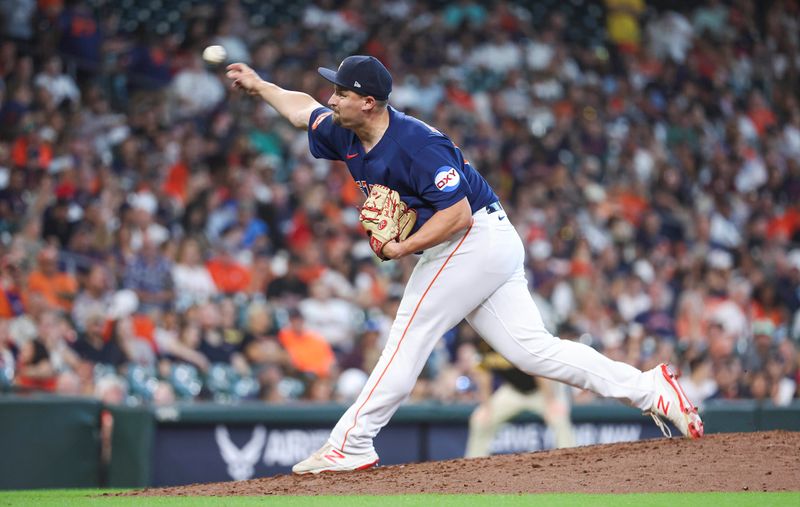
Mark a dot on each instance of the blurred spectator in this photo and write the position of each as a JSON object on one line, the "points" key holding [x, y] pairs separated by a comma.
{"points": [[111, 390], [12, 201], [17, 17], [58, 289], [7, 359], [59, 85], [670, 36], [232, 41], [34, 369], [727, 377], [465, 12], [186, 347], [32, 150], [349, 385], [144, 206], [12, 288], [459, 382], [329, 316], [622, 23], [699, 385], [784, 386], [260, 345], [195, 90], [320, 390], [80, 37], [94, 298], [149, 275], [367, 350], [193, 282], [711, 18], [761, 349], [288, 286], [254, 230], [230, 322], [148, 63], [57, 336], [215, 344], [101, 344], [308, 351], [229, 275], [18, 102]]}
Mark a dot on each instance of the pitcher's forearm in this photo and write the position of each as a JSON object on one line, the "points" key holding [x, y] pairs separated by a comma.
{"points": [[294, 106], [440, 227]]}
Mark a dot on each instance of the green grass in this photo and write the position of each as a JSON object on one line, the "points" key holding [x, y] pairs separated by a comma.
{"points": [[84, 497]]}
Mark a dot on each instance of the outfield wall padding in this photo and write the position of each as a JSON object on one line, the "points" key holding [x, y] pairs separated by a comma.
{"points": [[48, 442]]}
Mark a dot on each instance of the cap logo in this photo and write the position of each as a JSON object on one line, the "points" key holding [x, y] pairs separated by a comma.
{"points": [[357, 84]]}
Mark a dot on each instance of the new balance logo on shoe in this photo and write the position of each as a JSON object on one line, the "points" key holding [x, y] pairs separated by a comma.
{"points": [[663, 407], [333, 456], [330, 459], [671, 403]]}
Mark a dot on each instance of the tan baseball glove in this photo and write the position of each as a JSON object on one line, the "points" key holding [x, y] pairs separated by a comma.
{"points": [[386, 218]]}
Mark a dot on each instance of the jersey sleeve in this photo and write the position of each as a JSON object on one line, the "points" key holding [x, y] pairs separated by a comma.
{"points": [[325, 139], [438, 175]]}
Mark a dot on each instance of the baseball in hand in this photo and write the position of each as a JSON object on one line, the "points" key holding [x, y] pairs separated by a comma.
{"points": [[214, 55]]}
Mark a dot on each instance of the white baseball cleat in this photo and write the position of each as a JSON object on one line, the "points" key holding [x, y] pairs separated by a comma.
{"points": [[671, 402], [330, 459]]}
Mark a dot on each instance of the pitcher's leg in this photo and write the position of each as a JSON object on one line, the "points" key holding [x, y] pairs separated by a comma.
{"points": [[437, 297], [388, 386], [510, 322]]}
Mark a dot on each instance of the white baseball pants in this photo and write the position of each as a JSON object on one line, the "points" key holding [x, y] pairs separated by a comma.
{"points": [[478, 275]]}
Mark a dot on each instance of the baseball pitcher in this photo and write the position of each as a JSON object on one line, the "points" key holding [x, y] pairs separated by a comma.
{"points": [[424, 196]]}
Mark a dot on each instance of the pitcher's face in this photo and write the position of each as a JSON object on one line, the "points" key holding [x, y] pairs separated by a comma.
{"points": [[347, 107]]}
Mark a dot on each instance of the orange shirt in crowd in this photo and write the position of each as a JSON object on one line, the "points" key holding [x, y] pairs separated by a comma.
{"points": [[308, 351], [177, 181], [39, 384], [759, 312], [311, 273], [632, 206], [21, 157], [145, 329], [762, 119], [229, 277], [784, 226], [58, 290]]}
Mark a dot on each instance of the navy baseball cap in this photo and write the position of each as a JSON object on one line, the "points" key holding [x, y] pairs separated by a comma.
{"points": [[362, 74]]}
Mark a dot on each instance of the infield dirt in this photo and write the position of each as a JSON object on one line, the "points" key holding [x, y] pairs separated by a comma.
{"points": [[764, 461]]}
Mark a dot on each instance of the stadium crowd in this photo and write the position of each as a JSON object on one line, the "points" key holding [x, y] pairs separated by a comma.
{"points": [[165, 238]]}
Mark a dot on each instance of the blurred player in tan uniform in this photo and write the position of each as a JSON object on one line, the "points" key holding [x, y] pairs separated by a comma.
{"points": [[517, 393]]}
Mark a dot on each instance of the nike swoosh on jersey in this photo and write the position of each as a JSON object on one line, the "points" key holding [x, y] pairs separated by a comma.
{"points": [[351, 155]]}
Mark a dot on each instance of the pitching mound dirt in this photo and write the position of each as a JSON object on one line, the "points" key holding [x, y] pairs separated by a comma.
{"points": [[765, 461]]}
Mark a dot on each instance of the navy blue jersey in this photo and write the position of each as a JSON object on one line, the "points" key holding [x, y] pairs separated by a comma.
{"points": [[419, 162]]}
